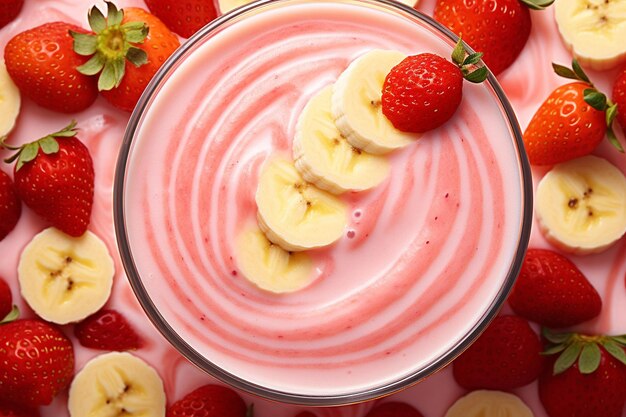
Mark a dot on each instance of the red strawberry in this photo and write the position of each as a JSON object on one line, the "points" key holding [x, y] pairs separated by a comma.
{"points": [[394, 409], [506, 356], [10, 205], [499, 28], [551, 291], [139, 37], [571, 122], [14, 410], [107, 330], [209, 401], [43, 66], [423, 91], [54, 176], [305, 414], [184, 17], [6, 301], [36, 362], [588, 379], [9, 9], [619, 98]]}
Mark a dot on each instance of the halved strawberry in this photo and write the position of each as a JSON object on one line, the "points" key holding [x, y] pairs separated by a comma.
{"points": [[107, 330]]}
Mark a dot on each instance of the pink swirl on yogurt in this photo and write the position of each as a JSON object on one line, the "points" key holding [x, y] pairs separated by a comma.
{"points": [[424, 255]]}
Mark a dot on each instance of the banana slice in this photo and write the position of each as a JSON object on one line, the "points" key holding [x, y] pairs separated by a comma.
{"points": [[117, 384], [356, 104], [10, 101], [226, 6], [594, 30], [325, 158], [269, 266], [294, 214], [489, 404], [581, 205], [65, 279]]}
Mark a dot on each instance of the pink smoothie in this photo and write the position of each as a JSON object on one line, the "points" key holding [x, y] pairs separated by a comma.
{"points": [[424, 254]]}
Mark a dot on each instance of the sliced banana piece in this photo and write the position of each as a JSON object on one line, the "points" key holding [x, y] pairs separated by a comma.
{"points": [[117, 384], [65, 279], [485, 403], [10, 101], [294, 214], [594, 30], [356, 104], [269, 266], [325, 158], [226, 6], [581, 205]]}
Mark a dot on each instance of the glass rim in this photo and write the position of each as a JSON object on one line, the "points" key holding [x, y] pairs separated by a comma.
{"points": [[221, 374]]}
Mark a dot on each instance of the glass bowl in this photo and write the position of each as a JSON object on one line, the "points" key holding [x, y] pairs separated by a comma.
{"points": [[428, 257]]}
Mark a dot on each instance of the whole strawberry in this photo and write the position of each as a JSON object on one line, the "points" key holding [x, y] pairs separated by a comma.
{"points": [[107, 330], [209, 401], [506, 356], [551, 291], [36, 362], [423, 91], [10, 205], [571, 122], [394, 409], [54, 177], [127, 49], [7, 310], [42, 64], [587, 379], [498, 28], [184, 17], [9, 9], [619, 98], [15, 410]]}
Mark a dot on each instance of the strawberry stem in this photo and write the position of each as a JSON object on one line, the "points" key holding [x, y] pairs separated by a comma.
{"points": [[111, 46], [468, 63], [48, 144], [12, 316]]}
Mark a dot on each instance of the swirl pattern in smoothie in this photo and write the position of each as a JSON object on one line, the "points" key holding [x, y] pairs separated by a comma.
{"points": [[424, 254]]}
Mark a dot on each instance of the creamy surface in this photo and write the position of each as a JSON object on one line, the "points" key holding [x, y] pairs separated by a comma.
{"points": [[423, 255], [527, 83]]}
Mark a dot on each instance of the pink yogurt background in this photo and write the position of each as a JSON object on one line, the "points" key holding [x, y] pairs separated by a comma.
{"points": [[526, 83]]}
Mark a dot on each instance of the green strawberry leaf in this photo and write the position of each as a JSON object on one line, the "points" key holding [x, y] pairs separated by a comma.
{"points": [[27, 154], [595, 99], [84, 43], [477, 76], [537, 4], [114, 16], [579, 71], [611, 112], [93, 66], [67, 132], [615, 350], [12, 316], [107, 80], [137, 56], [589, 358], [610, 134], [49, 145], [458, 53], [567, 358], [97, 21], [137, 35], [564, 72], [556, 338], [621, 339], [554, 349], [473, 59]]}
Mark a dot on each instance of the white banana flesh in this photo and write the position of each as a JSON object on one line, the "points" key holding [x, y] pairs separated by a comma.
{"points": [[65, 279], [117, 384], [594, 30], [269, 266], [325, 158], [294, 214], [581, 205], [10, 101], [485, 403], [356, 104]]}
